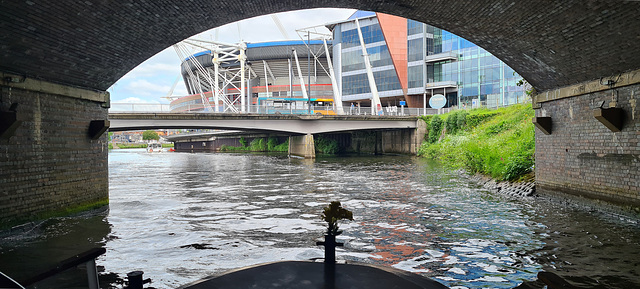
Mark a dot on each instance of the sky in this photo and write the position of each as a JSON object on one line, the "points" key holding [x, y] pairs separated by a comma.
{"points": [[153, 79]]}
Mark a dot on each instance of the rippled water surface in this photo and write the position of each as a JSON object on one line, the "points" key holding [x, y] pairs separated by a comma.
{"points": [[181, 217]]}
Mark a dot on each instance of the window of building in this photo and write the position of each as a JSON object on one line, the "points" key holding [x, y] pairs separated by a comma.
{"points": [[378, 56], [357, 84], [415, 49], [414, 27], [370, 34], [415, 74]]}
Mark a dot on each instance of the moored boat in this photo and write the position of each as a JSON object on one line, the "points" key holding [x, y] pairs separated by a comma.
{"points": [[154, 148]]}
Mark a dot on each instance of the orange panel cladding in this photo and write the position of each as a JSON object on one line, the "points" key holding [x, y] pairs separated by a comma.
{"points": [[394, 29]]}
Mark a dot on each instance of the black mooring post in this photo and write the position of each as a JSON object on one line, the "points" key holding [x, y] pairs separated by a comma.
{"points": [[135, 279], [329, 249], [329, 260]]}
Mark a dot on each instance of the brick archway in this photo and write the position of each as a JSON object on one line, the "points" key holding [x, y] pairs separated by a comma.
{"points": [[92, 44]]}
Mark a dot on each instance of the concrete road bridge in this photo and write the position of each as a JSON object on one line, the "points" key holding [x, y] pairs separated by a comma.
{"points": [[292, 124], [58, 57], [402, 134]]}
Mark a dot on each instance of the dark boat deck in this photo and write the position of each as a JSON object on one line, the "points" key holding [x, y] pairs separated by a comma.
{"points": [[308, 274]]}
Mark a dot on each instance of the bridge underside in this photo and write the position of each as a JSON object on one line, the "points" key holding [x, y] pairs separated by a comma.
{"points": [[291, 124], [92, 44]]}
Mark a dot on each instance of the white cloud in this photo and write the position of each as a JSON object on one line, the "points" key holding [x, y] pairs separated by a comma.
{"points": [[263, 28], [145, 87], [180, 90], [152, 69], [133, 100]]}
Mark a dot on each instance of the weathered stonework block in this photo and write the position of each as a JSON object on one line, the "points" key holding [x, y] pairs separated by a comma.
{"points": [[50, 165], [585, 158]]}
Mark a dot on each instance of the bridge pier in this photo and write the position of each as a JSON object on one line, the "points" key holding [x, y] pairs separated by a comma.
{"points": [[49, 163], [587, 157], [302, 146]]}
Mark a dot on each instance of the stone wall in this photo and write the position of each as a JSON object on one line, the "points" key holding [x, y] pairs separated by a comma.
{"points": [[582, 157], [50, 165], [398, 141], [368, 142], [213, 144]]}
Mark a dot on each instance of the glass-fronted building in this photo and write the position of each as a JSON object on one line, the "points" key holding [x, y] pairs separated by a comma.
{"points": [[412, 61]]}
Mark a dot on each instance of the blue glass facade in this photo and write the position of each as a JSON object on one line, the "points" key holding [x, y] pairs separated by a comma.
{"points": [[354, 80], [466, 73], [370, 34], [378, 56], [478, 74], [359, 83]]}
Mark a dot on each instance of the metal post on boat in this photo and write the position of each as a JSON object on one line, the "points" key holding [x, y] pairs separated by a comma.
{"points": [[329, 248], [92, 274], [135, 280]]}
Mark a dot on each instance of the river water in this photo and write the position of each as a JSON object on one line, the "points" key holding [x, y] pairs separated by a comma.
{"points": [[180, 217]]}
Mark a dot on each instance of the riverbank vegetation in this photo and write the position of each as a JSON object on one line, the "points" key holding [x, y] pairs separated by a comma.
{"points": [[136, 145], [132, 145], [498, 143], [258, 145], [327, 146]]}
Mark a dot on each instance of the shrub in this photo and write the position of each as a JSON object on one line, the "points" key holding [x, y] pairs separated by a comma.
{"points": [[435, 128], [272, 142], [258, 145], [327, 146], [461, 120], [283, 147], [452, 122], [475, 119]]}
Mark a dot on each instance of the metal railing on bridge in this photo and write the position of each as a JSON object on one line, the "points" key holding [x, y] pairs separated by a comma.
{"points": [[260, 109]]}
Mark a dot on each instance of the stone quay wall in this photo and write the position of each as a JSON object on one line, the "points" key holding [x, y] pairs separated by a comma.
{"points": [[585, 159], [50, 166]]}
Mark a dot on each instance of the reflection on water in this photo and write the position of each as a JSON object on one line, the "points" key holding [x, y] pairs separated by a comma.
{"points": [[37, 247], [180, 217]]}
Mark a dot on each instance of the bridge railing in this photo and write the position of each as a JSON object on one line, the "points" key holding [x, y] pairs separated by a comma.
{"points": [[261, 109], [139, 107]]}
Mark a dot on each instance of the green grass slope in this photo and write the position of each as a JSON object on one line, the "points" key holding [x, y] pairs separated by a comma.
{"points": [[498, 143]]}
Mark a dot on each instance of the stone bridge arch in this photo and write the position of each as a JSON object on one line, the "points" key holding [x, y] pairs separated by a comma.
{"points": [[91, 44], [57, 58]]}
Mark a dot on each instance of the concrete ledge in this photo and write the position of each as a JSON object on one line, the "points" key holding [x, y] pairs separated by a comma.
{"points": [[621, 80], [601, 201], [22, 82]]}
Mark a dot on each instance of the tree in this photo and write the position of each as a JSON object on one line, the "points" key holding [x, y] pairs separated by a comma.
{"points": [[149, 135]]}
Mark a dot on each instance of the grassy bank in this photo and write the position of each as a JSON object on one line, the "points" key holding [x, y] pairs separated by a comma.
{"points": [[136, 146], [498, 143], [131, 146]]}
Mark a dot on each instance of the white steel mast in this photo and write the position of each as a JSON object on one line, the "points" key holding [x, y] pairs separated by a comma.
{"points": [[376, 106], [242, 58], [302, 87], [337, 98]]}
